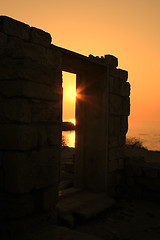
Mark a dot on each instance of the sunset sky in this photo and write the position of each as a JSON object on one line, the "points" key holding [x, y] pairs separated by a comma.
{"points": [[128, 29]]}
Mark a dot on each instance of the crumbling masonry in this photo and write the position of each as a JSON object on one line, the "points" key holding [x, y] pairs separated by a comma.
{"points": [[30, 124]]}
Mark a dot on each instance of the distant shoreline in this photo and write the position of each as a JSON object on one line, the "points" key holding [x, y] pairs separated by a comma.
{"points": [[68, 126]]}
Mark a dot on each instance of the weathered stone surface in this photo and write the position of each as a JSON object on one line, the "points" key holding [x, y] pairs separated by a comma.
{"points": [[113, 141], [113, 165], [13, 206], [18, 172], [124, 125], [121, 163], [150, 172], [45, 199], [111, 60], [123, 75], [126, 106], [130, 181], [1, 158], [1, 178], [17, 137], [40, 37], [14, 28], [45, 167], [17, 48], [137, 170], [113, 71], [31, 170], [53, 56], [115, 85], [124, 89], [3, 42], [20, 88], [15, 110], [122, 140], [54, 134], [116, 153], [116, 104], [114, 125], [46, 111], [27, 69], [42, 135]]}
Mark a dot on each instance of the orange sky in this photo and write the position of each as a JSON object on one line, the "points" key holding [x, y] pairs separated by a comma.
{"points": [[128, 29]]}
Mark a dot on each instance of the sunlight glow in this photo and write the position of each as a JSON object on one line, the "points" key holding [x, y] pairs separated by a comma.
{"points": [[69, 95]]}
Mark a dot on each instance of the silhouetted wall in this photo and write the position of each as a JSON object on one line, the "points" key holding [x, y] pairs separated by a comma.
{"points": [[30, 124], [30, 127]]}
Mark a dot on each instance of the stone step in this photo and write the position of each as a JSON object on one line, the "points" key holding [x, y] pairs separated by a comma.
{"points": [[82, 205]]}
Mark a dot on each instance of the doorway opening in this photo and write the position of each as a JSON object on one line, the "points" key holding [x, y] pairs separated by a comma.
{"points": [[68, 131]]}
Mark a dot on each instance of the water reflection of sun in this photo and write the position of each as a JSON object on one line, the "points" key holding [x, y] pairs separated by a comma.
{"points": [[68, 138]]}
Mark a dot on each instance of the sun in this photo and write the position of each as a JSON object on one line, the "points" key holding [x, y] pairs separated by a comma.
{"points": [[71, 94]]}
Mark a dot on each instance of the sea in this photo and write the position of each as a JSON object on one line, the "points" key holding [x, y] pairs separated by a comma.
{"points": [[147, 132]]}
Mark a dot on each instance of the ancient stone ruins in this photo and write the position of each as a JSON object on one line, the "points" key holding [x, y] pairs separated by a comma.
{"points": [[30, 123]]}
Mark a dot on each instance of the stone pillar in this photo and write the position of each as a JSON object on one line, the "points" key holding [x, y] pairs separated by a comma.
{"points": [[102, 123], [119, 110], [30, 127], [91, 148]]}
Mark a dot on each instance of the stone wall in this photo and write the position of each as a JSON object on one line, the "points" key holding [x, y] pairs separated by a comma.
{"points": [[30, 127], [30, 124], [119, 110]]}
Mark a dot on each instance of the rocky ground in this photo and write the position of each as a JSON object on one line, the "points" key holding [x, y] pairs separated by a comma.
{"points": [[131, 218]]}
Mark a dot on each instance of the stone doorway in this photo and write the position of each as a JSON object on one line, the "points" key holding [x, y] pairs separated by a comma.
{"points": [[67, 162]]}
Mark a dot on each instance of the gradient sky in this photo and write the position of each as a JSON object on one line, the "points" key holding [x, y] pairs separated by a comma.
{"points": [[128, 29]]}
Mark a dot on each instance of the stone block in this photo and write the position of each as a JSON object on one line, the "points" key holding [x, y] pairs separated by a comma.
{"points": [[126, 106], [53, 56], [116, 153], [137, 170], [25, 171], [123, 75], [27, 69], [18, 171], [112, 181], [113, 165], [13, 27], [150, 172], [115, 104], [114, 125], [46, 198], [17, 110], [1, 178], [120, 163], [114, 86], [130, 181], [20, 88], [111, 60], [1, 158], [54, 135], [40, 37], [46, 111], [122, 140], [124, 89], [124, 125], [45, 167], [17, 48], [129, 171], [16, 206], [42, 135], [113, 71], [113, 141], [3, 42], [17, 137]]}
